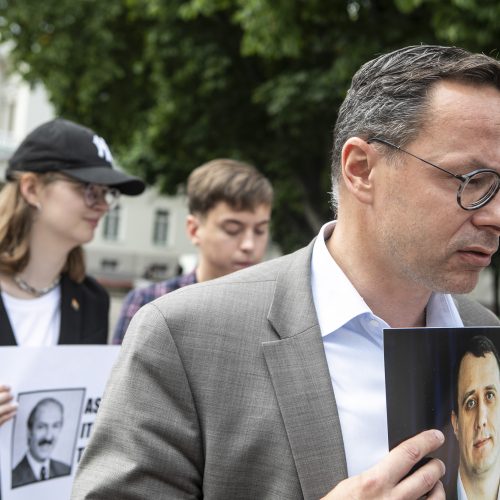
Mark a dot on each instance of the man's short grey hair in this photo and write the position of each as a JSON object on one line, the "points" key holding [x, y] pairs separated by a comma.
{"points": [[388, 97]]}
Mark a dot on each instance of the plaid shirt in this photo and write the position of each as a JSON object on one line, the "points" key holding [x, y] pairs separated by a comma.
{"points": [[135, 299]]}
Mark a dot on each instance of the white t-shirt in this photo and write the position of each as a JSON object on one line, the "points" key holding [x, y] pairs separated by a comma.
{"points": [[35, 322]]}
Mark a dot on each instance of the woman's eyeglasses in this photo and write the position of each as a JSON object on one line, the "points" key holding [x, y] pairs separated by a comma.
{"points": [[93, 194]]}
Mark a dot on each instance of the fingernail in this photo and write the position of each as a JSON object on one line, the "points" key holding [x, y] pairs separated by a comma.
{"points": [[439, 435], [444, 467]]}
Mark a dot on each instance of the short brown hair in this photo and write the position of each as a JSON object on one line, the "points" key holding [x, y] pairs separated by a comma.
{"points": [[238, 184], [16, 218]]}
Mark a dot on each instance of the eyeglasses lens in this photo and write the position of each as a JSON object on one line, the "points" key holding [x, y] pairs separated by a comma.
{"points": [[95, 194], [478, 189]]}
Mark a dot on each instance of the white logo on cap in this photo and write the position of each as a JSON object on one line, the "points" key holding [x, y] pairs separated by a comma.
{"points": [[102, 148]]}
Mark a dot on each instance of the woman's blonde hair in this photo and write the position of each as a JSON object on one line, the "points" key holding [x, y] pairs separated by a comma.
{"points": [[16, 219]]}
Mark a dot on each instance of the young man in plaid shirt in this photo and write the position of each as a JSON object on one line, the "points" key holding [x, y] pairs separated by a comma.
{"points": [[229, 213]]}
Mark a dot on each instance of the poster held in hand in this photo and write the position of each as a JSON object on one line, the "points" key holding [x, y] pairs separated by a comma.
{"points": [[448, 379], [58, 390]]}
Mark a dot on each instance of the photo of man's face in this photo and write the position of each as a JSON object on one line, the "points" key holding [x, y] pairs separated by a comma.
{"points": [[44, 430], [477, 421]]}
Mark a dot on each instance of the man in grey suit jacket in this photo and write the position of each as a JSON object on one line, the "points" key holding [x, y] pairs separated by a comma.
{"points": [[24, 474], [269, 383]]}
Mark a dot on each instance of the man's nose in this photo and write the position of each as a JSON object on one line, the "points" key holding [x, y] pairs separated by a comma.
{"points": [[488, 217], [50, 433], [482, 414]]}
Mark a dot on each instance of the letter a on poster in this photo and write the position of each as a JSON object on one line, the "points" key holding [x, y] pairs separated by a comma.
{"points": [[58, 390]]}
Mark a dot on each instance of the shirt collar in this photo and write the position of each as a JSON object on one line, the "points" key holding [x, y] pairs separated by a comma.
{"points": [[36, 466], [330, 286], [442, 312]]}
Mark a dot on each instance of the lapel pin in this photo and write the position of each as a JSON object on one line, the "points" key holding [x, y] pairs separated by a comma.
{"points": [[75, 304]]}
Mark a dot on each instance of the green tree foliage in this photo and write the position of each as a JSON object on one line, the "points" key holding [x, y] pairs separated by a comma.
{"points": [[175, 83]]}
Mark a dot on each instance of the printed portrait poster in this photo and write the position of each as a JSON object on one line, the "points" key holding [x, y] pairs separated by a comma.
{"points": [[58, 390], [445, 378]]}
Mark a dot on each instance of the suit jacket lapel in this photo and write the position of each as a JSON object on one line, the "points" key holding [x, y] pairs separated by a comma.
{"points": [[299, 373], [71, 312]]}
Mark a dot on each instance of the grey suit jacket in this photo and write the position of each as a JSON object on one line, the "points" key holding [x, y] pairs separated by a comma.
{"points": [[222, 391]]}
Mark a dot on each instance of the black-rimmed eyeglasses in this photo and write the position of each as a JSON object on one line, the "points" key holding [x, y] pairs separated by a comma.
{"points": [[476, 189]]}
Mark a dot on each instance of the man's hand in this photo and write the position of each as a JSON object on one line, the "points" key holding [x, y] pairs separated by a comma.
{"points": [[385, 479], [7, 407]]}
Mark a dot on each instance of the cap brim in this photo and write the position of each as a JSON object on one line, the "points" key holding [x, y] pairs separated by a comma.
{"points": [[106, 176]]}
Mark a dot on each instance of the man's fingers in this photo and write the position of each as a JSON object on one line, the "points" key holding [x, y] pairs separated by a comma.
{"points": [[437, 493], [390, 477], [406, 455], [424, 481]]}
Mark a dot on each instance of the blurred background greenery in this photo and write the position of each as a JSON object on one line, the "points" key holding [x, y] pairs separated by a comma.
{"points": [[174, 83]]}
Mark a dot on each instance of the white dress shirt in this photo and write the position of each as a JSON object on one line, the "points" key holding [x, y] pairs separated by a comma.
{"points": [[461, 495], [37, 466], [354, 346]]}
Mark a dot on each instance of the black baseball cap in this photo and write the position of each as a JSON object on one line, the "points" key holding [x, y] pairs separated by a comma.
{"points": [[76, 151]]}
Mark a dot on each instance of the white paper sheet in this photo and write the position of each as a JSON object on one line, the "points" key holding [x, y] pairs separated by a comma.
{"points": [[74, 376]]}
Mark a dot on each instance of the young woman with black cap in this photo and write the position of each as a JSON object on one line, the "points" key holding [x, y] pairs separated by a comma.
{"points": [[60, 182]]}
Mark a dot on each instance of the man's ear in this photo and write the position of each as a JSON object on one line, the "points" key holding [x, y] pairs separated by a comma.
{"points": [[357, 162], [454, 423], [192, 227]]}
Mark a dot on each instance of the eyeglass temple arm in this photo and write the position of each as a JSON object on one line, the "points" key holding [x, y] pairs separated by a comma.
{"points": [[383, 141]]}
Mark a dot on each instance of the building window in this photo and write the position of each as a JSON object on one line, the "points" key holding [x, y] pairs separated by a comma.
{"points": [[109, 265], [156, 272], [160, 230], [111, 224]]}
